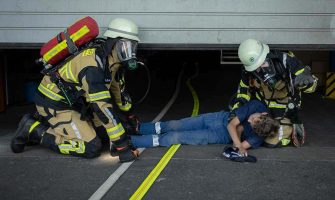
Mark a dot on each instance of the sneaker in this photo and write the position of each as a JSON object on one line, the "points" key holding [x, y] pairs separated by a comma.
{"points": [[233, 155]]}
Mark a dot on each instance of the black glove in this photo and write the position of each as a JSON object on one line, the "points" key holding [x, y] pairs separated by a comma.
{"points": [[133, 125], [126, 155], [124, 149], [233, 155], [304, 79]]}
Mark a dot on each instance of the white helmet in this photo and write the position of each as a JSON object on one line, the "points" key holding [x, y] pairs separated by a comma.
{"points": [[252, 54], [122, 28]]}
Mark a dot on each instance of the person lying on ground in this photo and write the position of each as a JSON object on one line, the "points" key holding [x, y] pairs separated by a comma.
{"points": [[246, 127]]}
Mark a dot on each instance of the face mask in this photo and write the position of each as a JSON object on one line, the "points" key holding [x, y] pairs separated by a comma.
{"points": [[126, 52], [267, 73]]}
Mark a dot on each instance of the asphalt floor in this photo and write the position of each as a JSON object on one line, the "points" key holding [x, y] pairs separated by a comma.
{"points": [[194, 172]]}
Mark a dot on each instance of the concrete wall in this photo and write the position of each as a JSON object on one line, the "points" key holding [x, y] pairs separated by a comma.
{"points": [[178, 23]]}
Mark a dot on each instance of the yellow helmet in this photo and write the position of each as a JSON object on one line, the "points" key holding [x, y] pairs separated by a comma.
{"points": [[252, 54], [122, 28]]}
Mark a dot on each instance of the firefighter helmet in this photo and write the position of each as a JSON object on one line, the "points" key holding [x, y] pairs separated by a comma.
{"points": [[122, 28], [252, 54]]}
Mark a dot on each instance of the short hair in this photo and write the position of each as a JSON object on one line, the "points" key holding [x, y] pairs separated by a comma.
{"points": [[266, 127]]}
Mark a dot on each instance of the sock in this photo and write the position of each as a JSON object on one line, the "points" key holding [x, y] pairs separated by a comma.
{"points": [[145, 141]]}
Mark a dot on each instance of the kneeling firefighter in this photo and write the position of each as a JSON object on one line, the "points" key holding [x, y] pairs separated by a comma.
{"points": [[277, 79], [74, 101]]}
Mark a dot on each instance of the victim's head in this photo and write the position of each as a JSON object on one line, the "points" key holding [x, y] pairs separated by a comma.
{"points": [[263, 125]]}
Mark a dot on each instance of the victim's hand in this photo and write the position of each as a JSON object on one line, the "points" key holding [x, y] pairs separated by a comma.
{"points": [[242, 151]]}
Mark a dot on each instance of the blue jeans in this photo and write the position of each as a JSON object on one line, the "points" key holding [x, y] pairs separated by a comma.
{"points": [[210, 128]]}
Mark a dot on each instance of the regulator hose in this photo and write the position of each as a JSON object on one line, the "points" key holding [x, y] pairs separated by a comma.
{"points": [[148, 84]]}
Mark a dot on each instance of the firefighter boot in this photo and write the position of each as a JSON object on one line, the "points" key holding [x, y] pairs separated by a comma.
{"points": [[29, 130]]}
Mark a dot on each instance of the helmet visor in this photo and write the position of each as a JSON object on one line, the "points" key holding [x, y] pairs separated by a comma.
{"points": [[126, 49], [266, 71]]}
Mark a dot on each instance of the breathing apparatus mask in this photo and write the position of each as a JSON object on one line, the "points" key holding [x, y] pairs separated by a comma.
{"points": [[267, 73], [126, 53]]}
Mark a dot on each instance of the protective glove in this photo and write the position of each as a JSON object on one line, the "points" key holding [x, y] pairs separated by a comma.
{"points": [[233, 155], [304, 79], [133, 125], [126, 155], [124, 149], [126, 103], [298, 135]]}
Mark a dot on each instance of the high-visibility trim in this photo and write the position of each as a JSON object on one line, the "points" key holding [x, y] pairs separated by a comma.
{"points": [[61, 46], [242, 84], [124, 107], [235, 105], [76, 130], [78, 147], [245, 96], [62, 70], [88, 52], [50, 94], [99, 95], [274, 104], [69, 73], [117, 135], [51, 86], [299, 71], [271, 104], [115, 132], [33, 126], [285, 141], [312, 88], [110, 115]]}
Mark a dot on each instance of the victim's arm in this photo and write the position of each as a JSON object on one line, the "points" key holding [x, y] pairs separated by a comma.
{"points": [[232, 129]]}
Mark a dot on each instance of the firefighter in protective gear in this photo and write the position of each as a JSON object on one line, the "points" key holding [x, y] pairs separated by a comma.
{"points": [[80, 108], [277, 79]]}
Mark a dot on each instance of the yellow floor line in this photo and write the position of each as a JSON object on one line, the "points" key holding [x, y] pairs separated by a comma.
{"points": [[147, 183]]}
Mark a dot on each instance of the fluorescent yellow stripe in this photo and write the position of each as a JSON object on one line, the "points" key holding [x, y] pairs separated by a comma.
{"points": [[196, 103], [99, 95], [61, 46], [66, 148], [111, 130], [146, 184], [52, 86], [144, 187], [125, 107], [73, 78], [50, 94], [115, 132], [33, 126], [63, 68], [117, 135], [300, 71], [245, 96], [243, 85], [276, 105]]}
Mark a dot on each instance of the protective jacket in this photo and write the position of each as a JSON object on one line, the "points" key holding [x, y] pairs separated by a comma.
{"points": [[88, 84], [283, 98], [278, 98]]}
